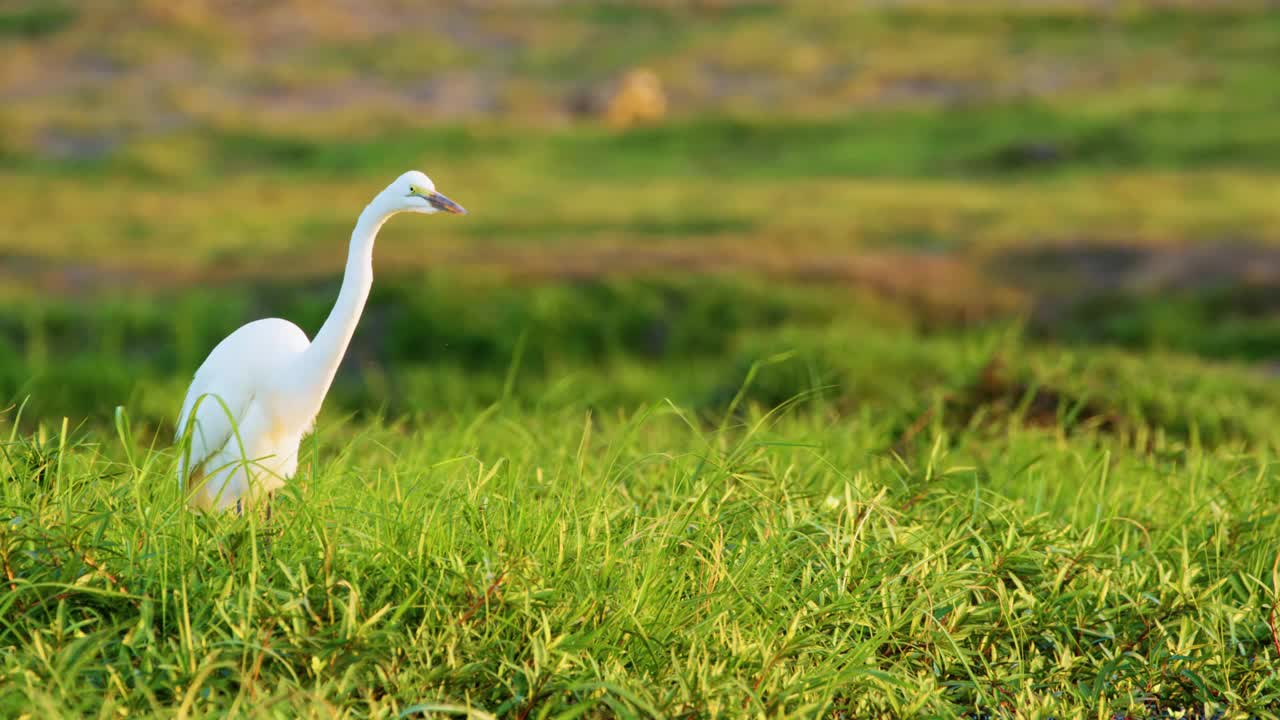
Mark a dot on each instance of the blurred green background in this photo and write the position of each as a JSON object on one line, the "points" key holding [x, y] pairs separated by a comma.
{"points": [[662, 194], [810, 358]]}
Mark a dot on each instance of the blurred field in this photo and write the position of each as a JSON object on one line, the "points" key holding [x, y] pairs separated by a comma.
{"points": [[916, 359], [964, 161], [180, 135]]}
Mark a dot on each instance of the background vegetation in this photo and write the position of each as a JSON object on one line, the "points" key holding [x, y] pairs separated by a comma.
{"points": [[911, 358]]}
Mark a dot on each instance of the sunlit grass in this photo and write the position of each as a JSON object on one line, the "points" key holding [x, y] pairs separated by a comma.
{"points": [[586, 456], [640, 562], [214, 228]]}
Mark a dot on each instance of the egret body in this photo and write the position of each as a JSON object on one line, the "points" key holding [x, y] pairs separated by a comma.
{"points": [[257, 394]]}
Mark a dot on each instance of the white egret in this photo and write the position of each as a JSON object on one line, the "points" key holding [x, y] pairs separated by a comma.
{"points": [[258, 392]]}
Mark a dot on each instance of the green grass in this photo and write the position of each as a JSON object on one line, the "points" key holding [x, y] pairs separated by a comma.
{"points": [[994, 142], [824, 397], [645, 560], [35, 22], [783, 503], [199, 202]]}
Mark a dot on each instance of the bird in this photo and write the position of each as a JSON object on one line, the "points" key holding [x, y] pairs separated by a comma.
{"points": [[258, 392]]}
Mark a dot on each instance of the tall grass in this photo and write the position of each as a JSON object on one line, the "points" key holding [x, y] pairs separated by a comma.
{"points": [[641, 562], [831, 515]]}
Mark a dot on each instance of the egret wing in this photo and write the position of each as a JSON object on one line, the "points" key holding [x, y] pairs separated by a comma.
{"points": [[238, 376], [213, 409]]}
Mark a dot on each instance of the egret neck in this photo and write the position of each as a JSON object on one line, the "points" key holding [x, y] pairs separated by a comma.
{"points": [[320, 362]]}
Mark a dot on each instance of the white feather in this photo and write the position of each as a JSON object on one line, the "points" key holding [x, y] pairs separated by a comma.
{"points": [[257, 394]]}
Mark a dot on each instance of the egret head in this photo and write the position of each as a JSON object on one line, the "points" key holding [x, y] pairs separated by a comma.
{"points": [[414, 192]]}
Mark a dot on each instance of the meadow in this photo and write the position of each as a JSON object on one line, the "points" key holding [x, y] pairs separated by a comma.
{"points": [[947, 391]]}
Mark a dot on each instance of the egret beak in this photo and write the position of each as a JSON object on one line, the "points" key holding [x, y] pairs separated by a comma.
{"points": [[440, 202]]}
